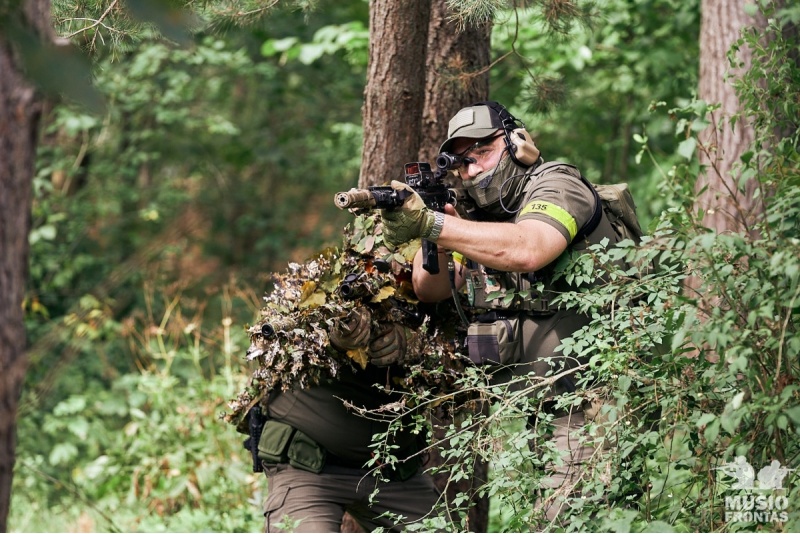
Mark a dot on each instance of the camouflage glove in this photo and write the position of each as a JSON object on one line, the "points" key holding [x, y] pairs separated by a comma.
{"points": [[353, 331], [390, 345], [411, 220]]}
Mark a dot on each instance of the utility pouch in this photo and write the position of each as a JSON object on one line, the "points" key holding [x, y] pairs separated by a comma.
{"points": [[494, 340], [274, 442], [305, 453]]}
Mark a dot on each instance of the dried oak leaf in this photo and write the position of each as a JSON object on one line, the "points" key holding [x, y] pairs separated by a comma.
{"points": [[384, 293], [359, 356]]}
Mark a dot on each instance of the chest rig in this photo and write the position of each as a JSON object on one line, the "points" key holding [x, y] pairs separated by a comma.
{"points": [[531, 292], [499, 290]]}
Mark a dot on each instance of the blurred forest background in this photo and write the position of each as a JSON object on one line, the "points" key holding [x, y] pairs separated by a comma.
{"points": [[206, 157]]}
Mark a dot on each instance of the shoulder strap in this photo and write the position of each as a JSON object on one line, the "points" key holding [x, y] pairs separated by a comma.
{"points": [[593, 222]]}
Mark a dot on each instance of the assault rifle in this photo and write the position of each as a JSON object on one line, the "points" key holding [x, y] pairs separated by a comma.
{"points": [[427, 184]]}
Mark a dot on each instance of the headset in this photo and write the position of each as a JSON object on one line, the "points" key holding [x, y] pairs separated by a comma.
{"points": [[518, 141]]}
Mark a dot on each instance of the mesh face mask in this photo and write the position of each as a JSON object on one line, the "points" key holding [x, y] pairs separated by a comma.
{"points": [[499, 190]]}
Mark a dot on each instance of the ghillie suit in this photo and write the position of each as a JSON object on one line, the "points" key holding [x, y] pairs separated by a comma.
{"points": [[290, 343]]}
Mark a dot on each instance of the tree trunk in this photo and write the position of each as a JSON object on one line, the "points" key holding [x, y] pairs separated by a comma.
{"points": [[395, 90], [457, 75], [725, 205], [20, 110]]}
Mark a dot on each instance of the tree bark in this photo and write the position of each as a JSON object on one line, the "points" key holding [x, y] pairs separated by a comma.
{"points": [[20, 110], [457, 75], [725, 205], [457, 67], [395, 90]]}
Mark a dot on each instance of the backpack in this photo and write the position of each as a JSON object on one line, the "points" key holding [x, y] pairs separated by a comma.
{"points": [[616, 200]]}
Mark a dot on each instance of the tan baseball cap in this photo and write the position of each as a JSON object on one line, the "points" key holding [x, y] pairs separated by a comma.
{"points": [[475, 122]]}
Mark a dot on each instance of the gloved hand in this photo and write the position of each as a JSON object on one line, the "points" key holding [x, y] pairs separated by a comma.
{"points": [[353, 331], [389, 345], [411, 220]]}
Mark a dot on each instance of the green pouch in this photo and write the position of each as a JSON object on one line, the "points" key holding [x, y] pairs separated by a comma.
{"points": [[495, 342], [305, 453], [274, 441]]}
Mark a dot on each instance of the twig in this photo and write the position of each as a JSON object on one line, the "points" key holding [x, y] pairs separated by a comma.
{"points": [[97, 22]]}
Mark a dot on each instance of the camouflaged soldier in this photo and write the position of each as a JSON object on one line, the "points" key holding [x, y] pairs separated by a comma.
{"points": [[314, 448], [528, 214]]}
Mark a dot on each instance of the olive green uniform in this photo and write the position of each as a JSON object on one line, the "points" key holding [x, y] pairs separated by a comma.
{"points": [[560, 198], [319, 500]]}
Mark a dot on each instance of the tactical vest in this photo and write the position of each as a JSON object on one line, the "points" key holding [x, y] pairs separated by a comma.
{"points": [[491, 289]]}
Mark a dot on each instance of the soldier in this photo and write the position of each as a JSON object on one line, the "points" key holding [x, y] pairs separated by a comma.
{"points": [[527, 215], [315, 449]]}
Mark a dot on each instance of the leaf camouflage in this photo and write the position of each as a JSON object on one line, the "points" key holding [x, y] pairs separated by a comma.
{"points": [[290, 343]]}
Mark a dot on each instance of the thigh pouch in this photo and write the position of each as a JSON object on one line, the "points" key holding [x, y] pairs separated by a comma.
{"points": [[283, 444]]}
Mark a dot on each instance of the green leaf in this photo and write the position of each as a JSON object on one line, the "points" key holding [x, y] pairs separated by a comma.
{"points": [[794, 414], [47, 232], [686, 148], [624, 382], [494, 295], [705, 419], [276, 46], [712, 431], [62, 453], [96, 468], [620, 520], [658, 526], [79, 427], [72, 405], [729, 422]]}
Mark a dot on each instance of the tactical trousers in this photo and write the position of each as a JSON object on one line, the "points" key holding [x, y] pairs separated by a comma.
{"points": [[318, 501], [576, 448]]}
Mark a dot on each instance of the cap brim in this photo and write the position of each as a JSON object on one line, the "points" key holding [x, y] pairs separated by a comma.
{"points": [[468, 133]]}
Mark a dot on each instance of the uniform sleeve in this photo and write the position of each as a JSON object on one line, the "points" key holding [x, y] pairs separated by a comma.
{"points": [[559, 198]]}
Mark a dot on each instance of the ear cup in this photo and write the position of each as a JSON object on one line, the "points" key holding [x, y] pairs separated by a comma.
{"points": [[524, 151]]}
